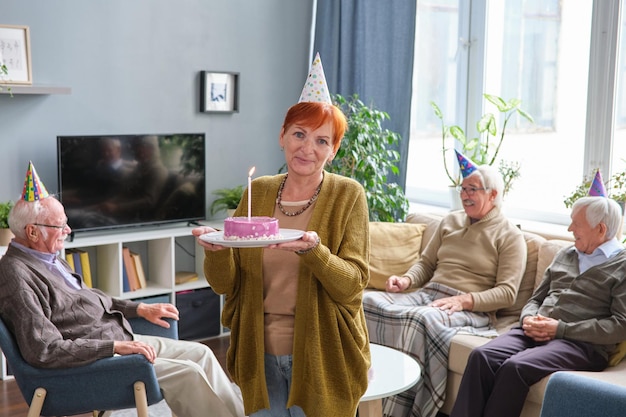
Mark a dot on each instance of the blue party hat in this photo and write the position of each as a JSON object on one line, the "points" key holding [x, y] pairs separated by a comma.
{"points": [[465, 164]]}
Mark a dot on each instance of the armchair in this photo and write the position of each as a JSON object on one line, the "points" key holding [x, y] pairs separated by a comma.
{"points": [[573, 395], [107, 384]]}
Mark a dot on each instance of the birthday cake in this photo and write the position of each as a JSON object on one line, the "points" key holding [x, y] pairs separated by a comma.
{"points": [[250, 228]]}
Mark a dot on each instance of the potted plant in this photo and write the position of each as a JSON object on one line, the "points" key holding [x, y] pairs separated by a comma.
{"points": [[5, 233], [485, 148], [227, 199], [367, 155]]}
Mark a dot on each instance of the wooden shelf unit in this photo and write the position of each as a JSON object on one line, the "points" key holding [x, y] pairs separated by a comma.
{"points": [[163, 250]]}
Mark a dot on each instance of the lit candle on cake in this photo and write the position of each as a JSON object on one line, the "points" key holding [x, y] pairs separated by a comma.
{"points": [[250, 192]]}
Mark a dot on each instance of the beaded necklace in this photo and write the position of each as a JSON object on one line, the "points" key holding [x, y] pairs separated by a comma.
{"points": [[306, 206]]}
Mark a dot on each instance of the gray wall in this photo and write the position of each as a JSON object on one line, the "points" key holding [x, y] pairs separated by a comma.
{"points": [[133, 67]]}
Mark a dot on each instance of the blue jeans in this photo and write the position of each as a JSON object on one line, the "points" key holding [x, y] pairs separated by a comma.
{"points": [[278, 379]]}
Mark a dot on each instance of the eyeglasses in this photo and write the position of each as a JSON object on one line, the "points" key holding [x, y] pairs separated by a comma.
{"points": [[470, 191], [54, 226]]}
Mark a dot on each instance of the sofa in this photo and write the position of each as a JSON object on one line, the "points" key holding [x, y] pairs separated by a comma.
{"points": [[395, 246]]}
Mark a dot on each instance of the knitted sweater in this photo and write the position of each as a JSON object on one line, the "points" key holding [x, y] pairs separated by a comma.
{"points": [[486, 259], [331, 345], [590, 307], [56, 326]]}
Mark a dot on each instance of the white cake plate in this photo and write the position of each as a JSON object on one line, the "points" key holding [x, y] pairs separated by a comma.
{"points": [[285, 235]]}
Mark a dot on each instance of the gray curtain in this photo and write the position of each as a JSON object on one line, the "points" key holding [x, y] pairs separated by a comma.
{"points": [[366, 47]]}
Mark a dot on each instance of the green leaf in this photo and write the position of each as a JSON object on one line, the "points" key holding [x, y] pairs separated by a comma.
{"points": [[487, 123], [497, 101], [368, 154], [458, 133], [437, 110], [526, 115]]}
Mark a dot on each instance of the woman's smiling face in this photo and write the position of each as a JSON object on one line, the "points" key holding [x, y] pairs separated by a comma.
{"points": [[307, 150]]}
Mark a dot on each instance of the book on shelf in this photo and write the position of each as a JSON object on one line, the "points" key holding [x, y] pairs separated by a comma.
{"points": [[185, 276], [125, 283], [141, 276], [85, 266], [78, 268], [69, 258], [131, 270]]}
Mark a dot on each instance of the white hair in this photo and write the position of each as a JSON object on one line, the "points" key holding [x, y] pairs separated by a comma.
{"points": [[601, 210]]}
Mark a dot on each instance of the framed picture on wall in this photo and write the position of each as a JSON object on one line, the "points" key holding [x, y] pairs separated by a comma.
{"points": [[219, 92], [15, 55]]}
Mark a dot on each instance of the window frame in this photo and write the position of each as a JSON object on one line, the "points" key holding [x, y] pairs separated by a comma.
{"points": [[601, 102]]}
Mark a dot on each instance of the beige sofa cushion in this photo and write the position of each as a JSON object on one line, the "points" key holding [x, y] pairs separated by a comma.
{"points": [[527, 286], [394, 248], [430, 220], [547, 251]]}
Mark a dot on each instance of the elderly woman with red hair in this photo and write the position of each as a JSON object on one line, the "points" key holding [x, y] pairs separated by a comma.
{"points": [[299, 343]]}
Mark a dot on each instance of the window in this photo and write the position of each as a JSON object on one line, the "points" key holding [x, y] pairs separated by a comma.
{"points": [[534, 50], [435, 66], [618, 161], [529, 33]]}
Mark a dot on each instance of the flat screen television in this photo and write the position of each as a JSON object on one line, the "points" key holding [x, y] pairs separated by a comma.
{"points": [[112, 181]]}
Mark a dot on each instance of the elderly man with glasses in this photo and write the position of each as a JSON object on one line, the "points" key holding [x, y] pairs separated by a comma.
{"points": [[59, 322], [573, 321], [471, 268]]}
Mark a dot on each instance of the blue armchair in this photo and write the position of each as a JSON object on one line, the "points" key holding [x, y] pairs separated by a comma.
{"points": [[107, 384], [573, 395]]}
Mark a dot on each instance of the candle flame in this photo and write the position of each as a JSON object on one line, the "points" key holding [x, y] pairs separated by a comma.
{"points": [[251, 171]]}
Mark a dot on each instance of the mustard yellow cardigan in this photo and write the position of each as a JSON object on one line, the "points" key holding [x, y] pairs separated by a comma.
{"points": [[331, 345]]}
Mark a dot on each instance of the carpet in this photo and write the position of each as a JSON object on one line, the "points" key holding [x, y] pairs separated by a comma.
{"points": [[156, 410]]}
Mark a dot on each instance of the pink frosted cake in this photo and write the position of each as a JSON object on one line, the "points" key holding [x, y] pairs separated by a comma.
{"points": [[253, 228]]}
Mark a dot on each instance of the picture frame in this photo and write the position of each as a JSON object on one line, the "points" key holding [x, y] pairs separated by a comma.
{"points": [[15, 54], [219, 92]]}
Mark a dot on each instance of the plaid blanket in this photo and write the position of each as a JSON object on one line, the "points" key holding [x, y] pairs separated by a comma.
{"points": [[405, 322]]}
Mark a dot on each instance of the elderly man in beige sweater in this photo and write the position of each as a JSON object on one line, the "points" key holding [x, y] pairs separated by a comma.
{"points": [[472, 267]]}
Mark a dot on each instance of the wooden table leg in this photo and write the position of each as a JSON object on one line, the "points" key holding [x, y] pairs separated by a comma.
{"points": [[372, 408]]}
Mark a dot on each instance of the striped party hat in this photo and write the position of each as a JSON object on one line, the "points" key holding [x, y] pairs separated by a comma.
{"points": [[597, 186], [33, 187]]}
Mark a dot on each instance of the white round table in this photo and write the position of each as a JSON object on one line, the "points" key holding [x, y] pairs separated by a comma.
{"points": [[391, 372]]}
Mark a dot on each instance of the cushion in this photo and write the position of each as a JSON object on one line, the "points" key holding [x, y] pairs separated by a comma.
{"points": [[527, 285], [547, 252], [430, 220], [619, 353], [394, 248]]}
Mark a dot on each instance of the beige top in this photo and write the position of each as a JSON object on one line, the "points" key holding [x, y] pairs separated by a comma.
{"points": [[486, 259], [280, 285], [331, 352]]}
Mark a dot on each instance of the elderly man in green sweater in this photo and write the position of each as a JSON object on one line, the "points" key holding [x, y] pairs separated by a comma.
{"points": [[573, 321]]}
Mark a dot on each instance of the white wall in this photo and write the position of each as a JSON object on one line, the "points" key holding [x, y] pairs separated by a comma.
{"points": [[133, 67]]}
